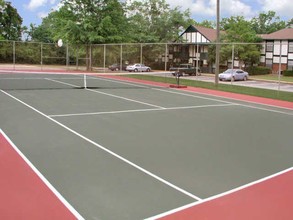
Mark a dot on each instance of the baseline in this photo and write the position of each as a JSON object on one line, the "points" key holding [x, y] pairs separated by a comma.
{"points": [[266, 198]]}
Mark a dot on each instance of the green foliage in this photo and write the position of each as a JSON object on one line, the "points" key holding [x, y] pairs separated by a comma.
{"points": [[237, 29], [87, 22], [267, 23], [154, 21], [6, 52], [258, 70], [40, 33], [206, 23], [10, 22], [287, 73]]}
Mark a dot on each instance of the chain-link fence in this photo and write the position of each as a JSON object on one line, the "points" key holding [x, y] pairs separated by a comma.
{"points": [[157, 56], [261, 58]]}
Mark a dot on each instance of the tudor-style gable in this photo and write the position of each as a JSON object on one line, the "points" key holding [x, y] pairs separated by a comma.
{"points": [[278, 46], [198, 34]]}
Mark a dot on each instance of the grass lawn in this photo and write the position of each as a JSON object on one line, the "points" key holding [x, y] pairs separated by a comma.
{"points": [[266, 93], [274, 77]]}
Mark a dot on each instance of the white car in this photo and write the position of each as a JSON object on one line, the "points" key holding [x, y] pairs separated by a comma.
{"points": [[137, 67], [233, 74]]}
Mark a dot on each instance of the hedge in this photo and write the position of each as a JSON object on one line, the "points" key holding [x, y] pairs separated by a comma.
{"points": [[287, 73], [258, 70]]}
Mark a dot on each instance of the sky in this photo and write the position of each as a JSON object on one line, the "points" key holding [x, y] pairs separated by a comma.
{"points": [[32, 11]]}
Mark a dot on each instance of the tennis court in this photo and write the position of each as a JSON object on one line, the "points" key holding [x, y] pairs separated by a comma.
{"points": [[109, 147]]}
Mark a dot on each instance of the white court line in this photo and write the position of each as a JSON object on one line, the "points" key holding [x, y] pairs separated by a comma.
{"points": [[249, 106], [164, 90], [64, 83], [119, 82], [107, 150], [191, 95], [40, 175], [219, 195], [140, 110], [195, 96], [108, 94], [213, 99], [127, 99], [37, 78]]}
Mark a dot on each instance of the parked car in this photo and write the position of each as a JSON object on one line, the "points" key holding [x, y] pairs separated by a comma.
{"points": [[138, 67], [233, 74], [184, 69], [116, 67]]}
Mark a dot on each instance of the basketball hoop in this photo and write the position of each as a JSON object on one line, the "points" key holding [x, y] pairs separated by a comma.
{"points": [[60, 43]]}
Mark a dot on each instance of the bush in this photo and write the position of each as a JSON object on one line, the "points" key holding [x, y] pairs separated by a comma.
{"points": [[258, 70], [287, 73]]}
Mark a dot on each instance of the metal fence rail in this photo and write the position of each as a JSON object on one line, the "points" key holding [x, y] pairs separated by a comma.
{"points": [[159, 56]]}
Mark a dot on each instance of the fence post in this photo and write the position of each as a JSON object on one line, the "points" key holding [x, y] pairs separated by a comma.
{"points": [[104, 57], [41, 56], [232, 63], [121, 58], [90, 64], [166, 56], [280, 67], [67, 57], [217, 70], [197, 60], [141, 53], [13, 55]]}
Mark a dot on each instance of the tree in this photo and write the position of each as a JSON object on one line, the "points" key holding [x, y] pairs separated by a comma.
{"points": [[154, 21], [10, 22], [238, 31], [88, 22], [267, 23], [290, 23], [84, 22], [206, 23], [39, 33]]}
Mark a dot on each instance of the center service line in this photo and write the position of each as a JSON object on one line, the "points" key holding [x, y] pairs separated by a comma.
{"points": [[108, 94]]}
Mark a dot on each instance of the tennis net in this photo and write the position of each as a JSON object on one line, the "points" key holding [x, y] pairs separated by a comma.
{"points": [[46, 81], [38, 81]]}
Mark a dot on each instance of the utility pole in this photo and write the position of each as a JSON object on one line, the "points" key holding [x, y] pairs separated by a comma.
{"points": [[217, 70]]}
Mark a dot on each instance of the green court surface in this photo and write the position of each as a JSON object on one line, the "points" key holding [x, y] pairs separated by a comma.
{"points": [[130, 151]]}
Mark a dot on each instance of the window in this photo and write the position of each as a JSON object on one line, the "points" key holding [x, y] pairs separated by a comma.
{"points": [[290, 49], [269, 46], [269, 63]]}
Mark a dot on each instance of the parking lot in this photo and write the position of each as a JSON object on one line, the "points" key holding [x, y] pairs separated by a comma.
{"points": [[288, 87]]}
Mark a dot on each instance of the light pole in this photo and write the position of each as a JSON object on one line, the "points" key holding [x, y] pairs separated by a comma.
{"points": [[217, 45]]}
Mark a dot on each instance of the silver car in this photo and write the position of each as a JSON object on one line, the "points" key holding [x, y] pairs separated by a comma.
{"points": [[233, 74], [138, 67]]}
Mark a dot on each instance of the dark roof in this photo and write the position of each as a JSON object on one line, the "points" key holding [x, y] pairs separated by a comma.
{"points": [[209, 33], [284, 34]]}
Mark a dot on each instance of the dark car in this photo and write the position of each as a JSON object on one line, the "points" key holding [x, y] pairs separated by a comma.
{"points": [[183, 69], [116, 67]]}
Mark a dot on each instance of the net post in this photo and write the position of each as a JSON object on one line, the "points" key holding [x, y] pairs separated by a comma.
{"points": [[84, 81]]}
